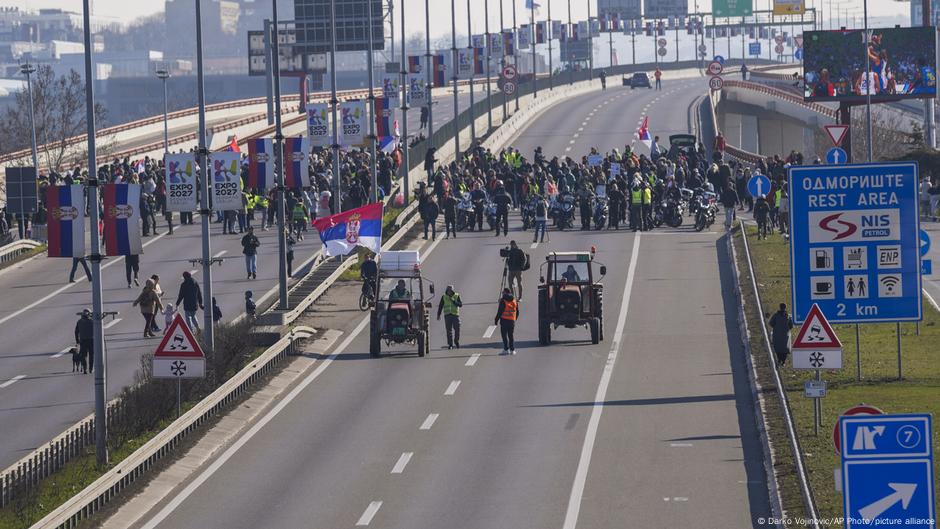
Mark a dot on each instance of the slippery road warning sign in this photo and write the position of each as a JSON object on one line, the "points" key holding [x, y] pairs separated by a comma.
{"points": [[179, 355], [816, 345]]}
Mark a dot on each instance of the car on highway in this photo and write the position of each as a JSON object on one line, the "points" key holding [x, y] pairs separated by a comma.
{"points": [[683, 144], [638, 80]]}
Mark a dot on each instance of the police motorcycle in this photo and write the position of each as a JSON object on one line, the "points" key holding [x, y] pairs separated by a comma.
{"points": [[490, 211], [528, 212], [601, 212], [561, 211], [673, 210], [706, 209], [465, 212]]}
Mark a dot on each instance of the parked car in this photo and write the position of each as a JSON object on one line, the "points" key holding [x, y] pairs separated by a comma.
{"points": [[638, 79]]}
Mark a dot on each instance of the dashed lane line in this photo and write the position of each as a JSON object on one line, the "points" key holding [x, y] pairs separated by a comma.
{"points": [[472, 360], [429, 421], [489, 331], [402, 462], [111, 323], [12, 381], [452, 388], [369, 513]]}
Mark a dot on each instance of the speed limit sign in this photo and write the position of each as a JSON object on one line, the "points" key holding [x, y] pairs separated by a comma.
{"points": [[509, 88], [662, 43], [715, 83]]}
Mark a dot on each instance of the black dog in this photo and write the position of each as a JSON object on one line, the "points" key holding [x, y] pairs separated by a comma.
{"points": [[76, 360]]}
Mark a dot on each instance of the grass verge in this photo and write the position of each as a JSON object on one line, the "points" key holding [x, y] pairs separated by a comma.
{"points": [[917, 391], [24, 256]]}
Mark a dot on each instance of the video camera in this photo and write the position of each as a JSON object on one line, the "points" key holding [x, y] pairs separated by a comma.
{"points": [[504, 252]]}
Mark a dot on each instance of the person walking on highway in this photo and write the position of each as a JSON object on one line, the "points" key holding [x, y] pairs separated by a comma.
{"points": [[729, 199], [658, 74], [85, 338], [603, 77], [132, 269], [506, 315], [503, 201], [516, 261], [541, 218], [190, 298], [449, 205], [429, 213], [250, 244], [150, 304], [450, 306], [75, 262], [781, 323]]}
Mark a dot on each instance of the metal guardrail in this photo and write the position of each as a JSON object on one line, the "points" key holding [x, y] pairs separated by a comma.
{"points": [[806, 491], [785, 95], [95, 496], [10, 252]]}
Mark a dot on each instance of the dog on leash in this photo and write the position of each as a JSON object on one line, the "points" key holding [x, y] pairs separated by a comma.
{"points": [[76, 360]]}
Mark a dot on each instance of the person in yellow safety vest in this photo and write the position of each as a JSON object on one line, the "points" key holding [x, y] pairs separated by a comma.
{"points": [[647, 207], [450, 305], [261, 206], [636, 206], [506, 316], [299, 217], [249, 208]]}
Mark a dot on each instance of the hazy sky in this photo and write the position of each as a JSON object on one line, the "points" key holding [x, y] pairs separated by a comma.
{"points": [[127, 10]]}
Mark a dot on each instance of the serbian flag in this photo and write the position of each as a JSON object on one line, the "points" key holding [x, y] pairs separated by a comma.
{"points": [[440, 69], [343, 232], [414, 64], [384, 114], [66, 221], [233, 145], [261, 164], [295, 157], [643, 133], [122, 219]]}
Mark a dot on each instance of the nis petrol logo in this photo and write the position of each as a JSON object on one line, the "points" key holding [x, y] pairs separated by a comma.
{"points": [[854, 225]]}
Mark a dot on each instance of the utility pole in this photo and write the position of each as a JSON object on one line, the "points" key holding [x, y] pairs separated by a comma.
{"points": [[502, 60], [27, 70], [454, 77], [551, 37], [428, 65], [370, 62], [532, 41], [930, 126], [279, 170], [163, 74], [268, 72], [204, 211], [404, 107], [489, 58], [473, 66], [337, 187], [515, 50], [101, 373], [590, 43], [568, 43]]}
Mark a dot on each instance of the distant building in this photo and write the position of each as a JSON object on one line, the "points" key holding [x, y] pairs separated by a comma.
{"points": [[220, 25], [917, 13]]}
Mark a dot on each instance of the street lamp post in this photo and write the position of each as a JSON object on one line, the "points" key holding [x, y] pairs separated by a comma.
{"points": [[163, 75], [202, 160], [27, 70]]}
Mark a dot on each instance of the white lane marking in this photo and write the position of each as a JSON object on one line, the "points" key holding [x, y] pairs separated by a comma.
{"points": [[932, 301], [567, 149], [220, 254], [67, 286], [680, 445], [62, 352], [402, 462], [452, 388], [575, 135], [489, 331], [194, 271], [218, 463], [111, 323], [580, 129], [472, 360], [429, 422], [584, 462], [12, 381], [369, 513], [533, 246], [680, 498]]}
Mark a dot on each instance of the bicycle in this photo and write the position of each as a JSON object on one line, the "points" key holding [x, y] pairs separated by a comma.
{"points": [[367, 297]]}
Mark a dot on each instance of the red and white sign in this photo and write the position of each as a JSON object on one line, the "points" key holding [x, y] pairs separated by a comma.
{"points": [[509, 72], [837, 133], [715, 68], [179, 355], [716, 83], [855, 410], [816, 345]]}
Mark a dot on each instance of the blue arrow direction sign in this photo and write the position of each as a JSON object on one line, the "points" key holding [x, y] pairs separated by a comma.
{"points": [[836, 156], [758, 185], [720, 59], [887, 471], [798, 54], [924, 242]]}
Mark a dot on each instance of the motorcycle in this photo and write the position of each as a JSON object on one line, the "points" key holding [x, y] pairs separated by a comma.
{"points": [[528, 213], [601, 213], [706, 211], [673, 211], [490, 212], [562, 211]]}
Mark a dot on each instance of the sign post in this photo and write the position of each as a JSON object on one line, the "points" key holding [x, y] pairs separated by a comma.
{"points": [[887, 471], [816, 347], [178, 356]]}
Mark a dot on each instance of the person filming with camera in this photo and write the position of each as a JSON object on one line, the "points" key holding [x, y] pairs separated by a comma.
{"points": [[516, 262]]}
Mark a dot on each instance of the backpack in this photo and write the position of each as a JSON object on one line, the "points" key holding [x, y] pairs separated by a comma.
{"points": [[540, 209], [526, 265]]}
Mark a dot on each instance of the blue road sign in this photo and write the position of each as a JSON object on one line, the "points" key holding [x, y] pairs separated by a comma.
{"points": [[926, 267], [924, 242], [836, 156], [887, 471], [720, 59], [753, 48], [854, 242], [798, 54], [758, 185]]}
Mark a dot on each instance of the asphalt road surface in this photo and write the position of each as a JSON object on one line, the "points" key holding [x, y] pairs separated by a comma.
{"points": [[654, 427]]}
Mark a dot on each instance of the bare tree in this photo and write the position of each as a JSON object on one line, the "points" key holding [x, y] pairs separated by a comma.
{"points": [[59, 112], [890, 140]]}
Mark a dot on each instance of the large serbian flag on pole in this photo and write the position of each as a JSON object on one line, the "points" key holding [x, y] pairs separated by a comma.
{"points": [[261, 164], [295, 161], [343, 232], [122, 219], [643, 133], [66, 229]]}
